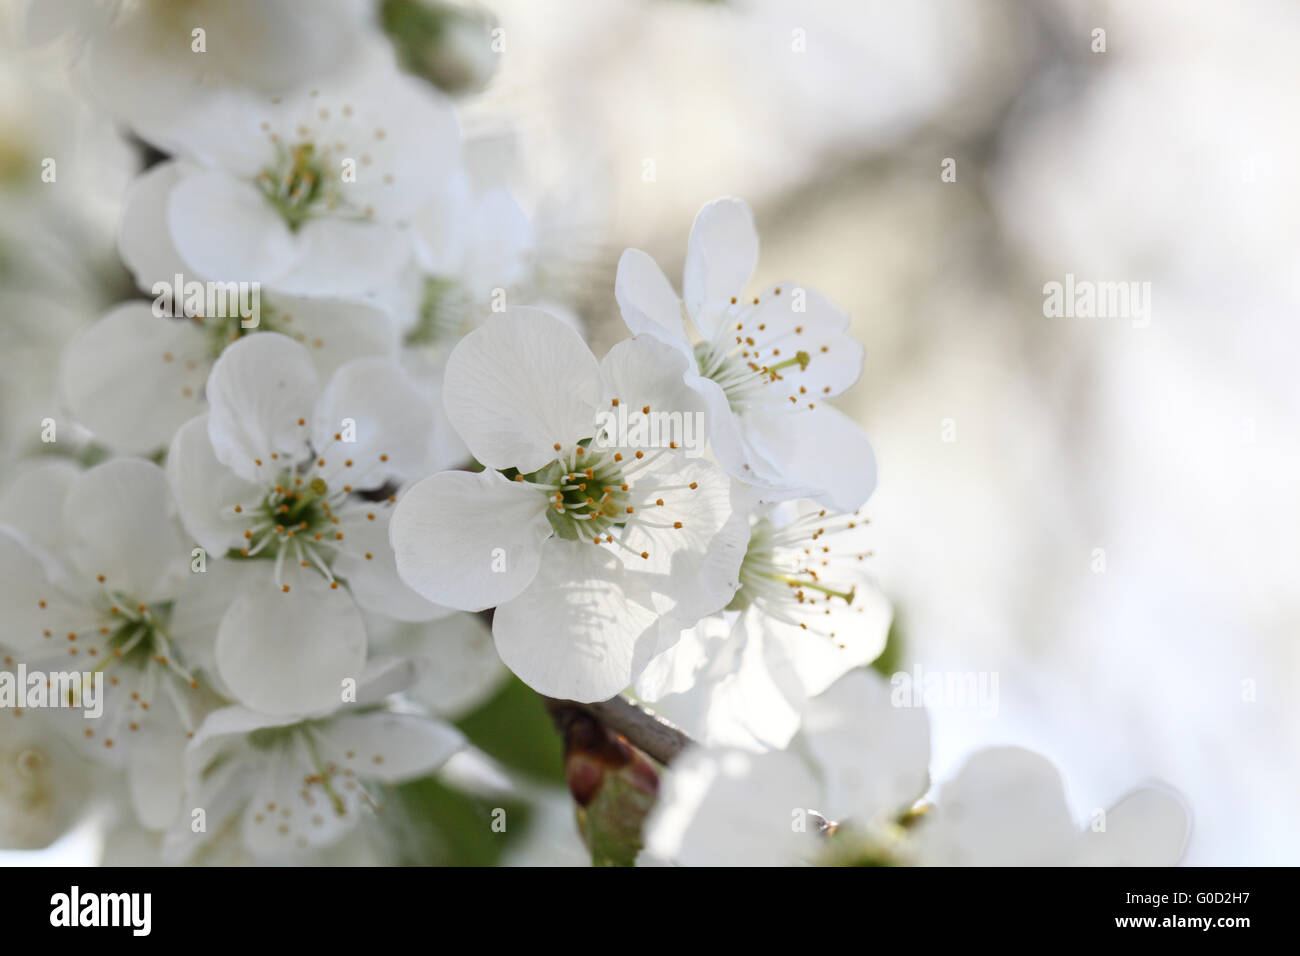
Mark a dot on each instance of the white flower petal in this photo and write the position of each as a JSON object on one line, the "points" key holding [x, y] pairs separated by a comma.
{"points": [[458, 665], [582, 630], [729, 438], [644, 372], [335, 331], [469, 541], [387, 747], [133, 378], [124, 69], [500, 251], [1005, 807], [226, 231], [122, 532], [1148, 827], [343, 257], [143, 237], [202, 602], [290, 652], [403, 132], [714, 684], [368, 568], [720, 259], [727, 808], [38, 23], [821, 453], [874, 756], [389, 420], [647, 301], [222, 730], [825, 636], [440, 225], [206, 490], [32, 503], [519, 385], [794, 320], [693, 569], [285, 817], [261, 393], [29, 603], [156, 777], [221, 792], [384, 676]]}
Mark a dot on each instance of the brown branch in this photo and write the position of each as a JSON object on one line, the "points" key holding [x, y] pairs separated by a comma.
{"points": [[644, 729]]}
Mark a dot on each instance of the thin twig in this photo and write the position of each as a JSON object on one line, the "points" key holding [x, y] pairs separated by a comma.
{"points": [[644, 729]]}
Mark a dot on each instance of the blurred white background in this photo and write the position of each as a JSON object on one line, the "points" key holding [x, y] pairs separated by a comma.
{"points": [[1172, 448]]}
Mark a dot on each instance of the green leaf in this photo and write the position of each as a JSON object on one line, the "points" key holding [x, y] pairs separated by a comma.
{"points": [[433, 824], [514, 728]]}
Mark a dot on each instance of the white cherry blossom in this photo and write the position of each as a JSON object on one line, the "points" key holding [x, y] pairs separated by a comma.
{"points": [[45, 783], [94, 573], [856, 759], [455, 665], [764, 364], [134, 377], [1007, 807], [272, 476], [849, 790], [806, 613], [310, 194], [593, 552], [139, 58], [284, 786]]}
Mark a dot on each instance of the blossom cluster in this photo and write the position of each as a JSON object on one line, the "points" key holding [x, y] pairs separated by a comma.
{"points": [[343, 457]]}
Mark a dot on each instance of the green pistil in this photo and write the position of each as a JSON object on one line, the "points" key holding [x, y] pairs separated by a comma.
{"points": [[15, 162], [290, 511], [739, 375], [221, 330], [590, 499], [274, 738], [295, 186], [800, 359], [266, 738], [443, 317], [760, 566], [139, 638], [304, 505], [797, 582], [847, 846], [323, 778]]}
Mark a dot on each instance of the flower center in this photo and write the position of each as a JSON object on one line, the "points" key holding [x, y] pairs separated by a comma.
{"points": [[588, 491], [296, 183], [747, 357], [739, 370], [222, 330], [594, 493], [779, 573], [28, 798], [326, 775], [139, 636], [297, 517], [444, 314]]}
